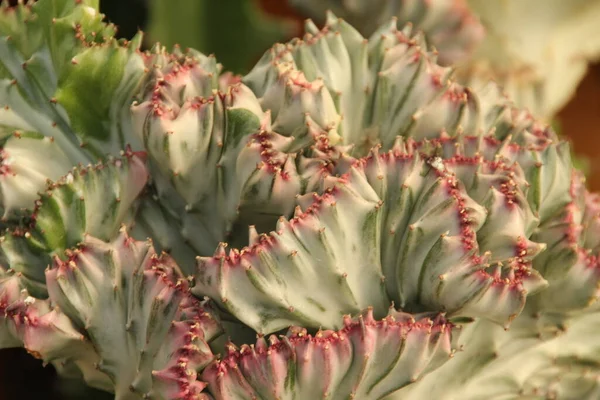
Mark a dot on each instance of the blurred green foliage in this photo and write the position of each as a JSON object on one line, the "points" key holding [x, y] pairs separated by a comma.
{"points": [[237, 32]]}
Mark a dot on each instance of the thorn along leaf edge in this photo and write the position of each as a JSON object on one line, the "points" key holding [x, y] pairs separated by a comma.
{"points": [[413, 237]]}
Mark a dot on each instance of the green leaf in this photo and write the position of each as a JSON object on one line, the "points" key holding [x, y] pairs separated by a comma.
{"points": [[66, 66], [88, 86]]}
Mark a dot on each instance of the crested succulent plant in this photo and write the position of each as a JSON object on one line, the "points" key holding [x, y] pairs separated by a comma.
{"points": [[449, 25], [537, 50], [392, 233]]}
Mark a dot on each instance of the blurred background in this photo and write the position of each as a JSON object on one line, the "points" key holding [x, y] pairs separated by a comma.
{"points": [[238, 32]]}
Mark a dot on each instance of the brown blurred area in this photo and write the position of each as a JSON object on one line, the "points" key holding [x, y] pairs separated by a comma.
{"points": [[580, 121], [278, 8]]}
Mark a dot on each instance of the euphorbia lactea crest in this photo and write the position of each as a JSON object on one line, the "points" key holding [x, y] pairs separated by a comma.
{"points": [[345, 221], [537, 50]]}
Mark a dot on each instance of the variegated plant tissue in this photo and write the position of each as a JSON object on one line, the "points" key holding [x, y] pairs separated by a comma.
{"points": [[346, 221], [537, 50]]}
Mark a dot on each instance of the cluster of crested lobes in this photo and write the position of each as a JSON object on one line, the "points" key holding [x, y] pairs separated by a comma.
{"points": [[550, 350], [144, 336], [103, 307], [539, 64], [58, 108], [450, 26], [411, 220], [449, 219], [440, 221]]}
